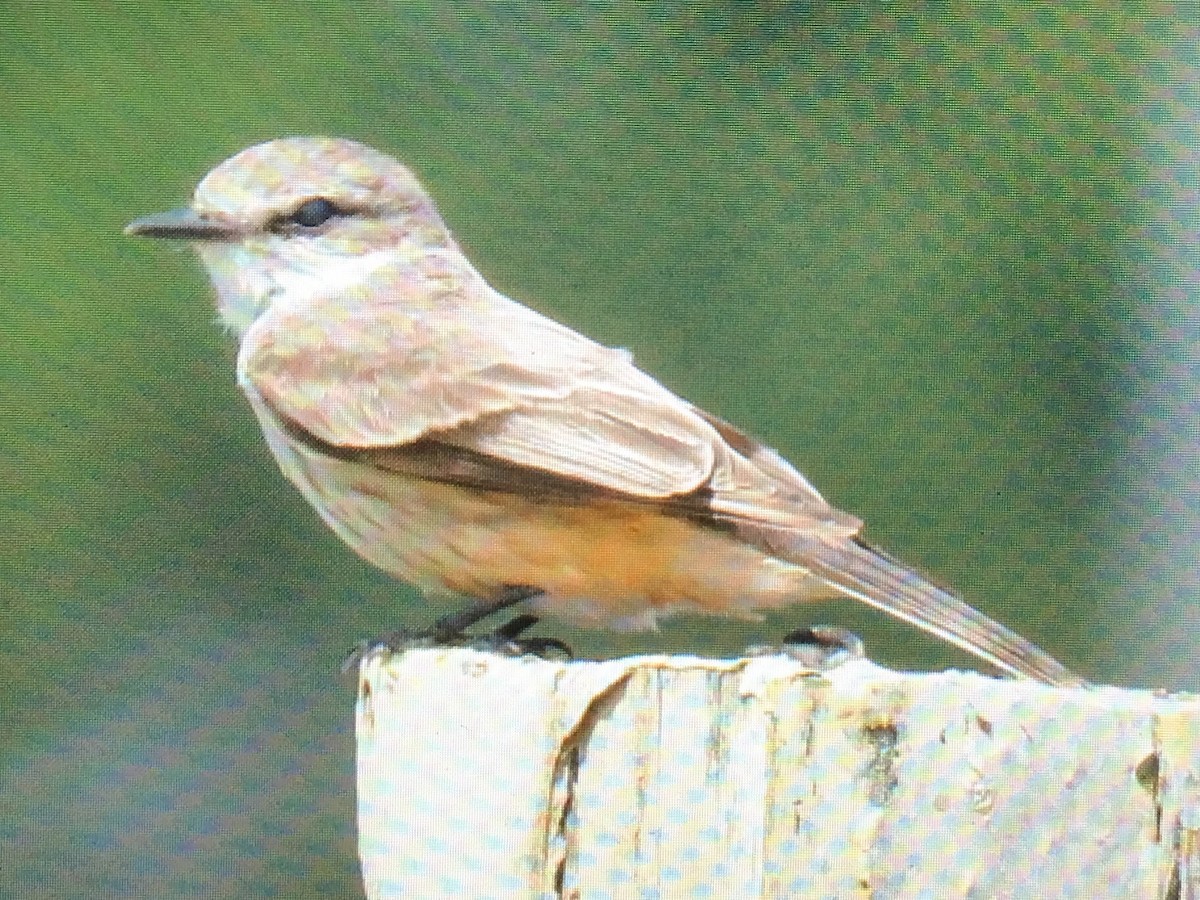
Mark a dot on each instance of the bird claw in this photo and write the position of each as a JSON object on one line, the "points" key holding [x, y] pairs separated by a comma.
{"points": [[505, 640], [820, 647]]}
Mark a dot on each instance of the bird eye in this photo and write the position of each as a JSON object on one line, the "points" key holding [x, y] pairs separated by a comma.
{"points": [[312, 213]]}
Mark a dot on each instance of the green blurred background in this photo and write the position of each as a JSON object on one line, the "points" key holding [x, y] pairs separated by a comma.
{"points": [[942, 255]]}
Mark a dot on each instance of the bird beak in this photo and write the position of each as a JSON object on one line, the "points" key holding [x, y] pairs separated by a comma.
{"points": [[183, 224]]}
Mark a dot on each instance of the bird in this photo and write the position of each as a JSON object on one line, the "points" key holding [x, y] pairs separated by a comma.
{"points": [[471, 446]]}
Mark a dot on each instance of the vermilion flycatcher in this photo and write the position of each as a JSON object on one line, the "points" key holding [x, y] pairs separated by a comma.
{"points": [[467, 444]]}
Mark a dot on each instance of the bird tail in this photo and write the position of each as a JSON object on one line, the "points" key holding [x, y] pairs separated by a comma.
{"points": [[869, 576]]}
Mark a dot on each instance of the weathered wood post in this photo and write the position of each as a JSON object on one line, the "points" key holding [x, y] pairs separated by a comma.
{"points": [[484, 776]]}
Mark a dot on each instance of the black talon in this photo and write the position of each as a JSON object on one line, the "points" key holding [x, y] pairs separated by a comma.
{"points": [[507, 639], [820, 647], [395, 641], [825, 637], [451, 631], [545, 647], [350, 665]]}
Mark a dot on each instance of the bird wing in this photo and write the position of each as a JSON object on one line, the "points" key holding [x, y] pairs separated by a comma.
{"points": [[429, 353]]}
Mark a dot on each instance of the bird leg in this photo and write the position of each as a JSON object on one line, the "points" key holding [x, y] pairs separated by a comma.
{"points": [[450, 631]]}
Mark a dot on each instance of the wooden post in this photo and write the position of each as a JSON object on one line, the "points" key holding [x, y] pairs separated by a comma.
{"points": [[484, 776]]}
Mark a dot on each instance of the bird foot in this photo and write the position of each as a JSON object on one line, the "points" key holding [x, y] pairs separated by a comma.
{"points": [[506, 640], [820, 647]]}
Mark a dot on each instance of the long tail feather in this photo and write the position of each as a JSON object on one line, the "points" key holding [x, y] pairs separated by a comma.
{"points": [[867, 575]]}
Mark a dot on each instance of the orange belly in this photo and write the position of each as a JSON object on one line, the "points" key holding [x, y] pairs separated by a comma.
{"points": [[602, 562]]}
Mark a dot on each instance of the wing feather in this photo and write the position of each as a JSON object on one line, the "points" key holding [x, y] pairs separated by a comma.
{"points": [[427, 353], [475, 370]]}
